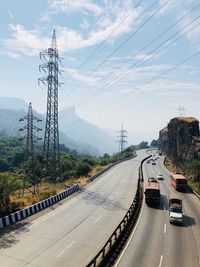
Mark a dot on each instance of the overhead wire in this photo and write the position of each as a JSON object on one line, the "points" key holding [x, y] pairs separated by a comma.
{"points": [[131, 35], [145, 84], [104, 41], [114, 80]]}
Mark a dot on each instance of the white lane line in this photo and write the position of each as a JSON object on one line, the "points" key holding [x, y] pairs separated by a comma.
{"points": [[127, 244], [161, 258], [69, 246], [98, 219], [165, 228]]}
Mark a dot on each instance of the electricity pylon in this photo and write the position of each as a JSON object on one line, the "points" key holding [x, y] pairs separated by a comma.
{"points": [[29, 137], [122, 139], [51, 151]]}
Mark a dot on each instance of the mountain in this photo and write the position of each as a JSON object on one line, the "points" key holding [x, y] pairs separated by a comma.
{"points": [[81, 130], [13, 103], [82, 137]]}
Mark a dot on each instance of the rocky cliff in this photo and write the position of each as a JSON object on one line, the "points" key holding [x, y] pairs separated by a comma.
{"points": [[180, 140]]}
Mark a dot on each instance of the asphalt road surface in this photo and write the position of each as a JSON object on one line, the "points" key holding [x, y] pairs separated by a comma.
{"points": [[72, 234], [157, 243]]}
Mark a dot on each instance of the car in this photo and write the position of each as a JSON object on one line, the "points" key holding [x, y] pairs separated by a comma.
{"points": [[148, 161], [159, 177], [153, 163], [152, 180]]}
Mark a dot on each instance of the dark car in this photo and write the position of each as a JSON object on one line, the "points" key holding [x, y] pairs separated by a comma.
{"points": [[159, 177], [152, 180]]}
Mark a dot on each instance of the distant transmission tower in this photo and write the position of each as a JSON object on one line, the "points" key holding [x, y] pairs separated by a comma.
{"points": [[51, 152], [181, 111], [30, 138], [122, 139]]}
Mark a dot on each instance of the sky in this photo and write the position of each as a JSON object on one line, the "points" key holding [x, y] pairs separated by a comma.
{"points": [[129, 61]]}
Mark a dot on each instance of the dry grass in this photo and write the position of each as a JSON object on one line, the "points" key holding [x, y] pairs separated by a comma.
{"points": [[185, 119], [50, 189]]}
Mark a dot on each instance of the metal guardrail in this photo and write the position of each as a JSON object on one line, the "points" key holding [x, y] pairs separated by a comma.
{"points": [[110, 251]]}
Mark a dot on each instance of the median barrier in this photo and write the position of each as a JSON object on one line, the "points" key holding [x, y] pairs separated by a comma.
{"points": [[26, 212], [112, 248]]}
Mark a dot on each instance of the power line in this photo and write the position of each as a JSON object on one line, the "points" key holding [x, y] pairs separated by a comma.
{"points": [[145, 84], [94, 52], [131, 35], [154, 55], [114, 80], [110, 34], [160, 35], [155, 78]]}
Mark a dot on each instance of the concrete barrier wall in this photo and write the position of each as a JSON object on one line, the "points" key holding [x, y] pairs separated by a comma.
{"points": [[26, 212]]}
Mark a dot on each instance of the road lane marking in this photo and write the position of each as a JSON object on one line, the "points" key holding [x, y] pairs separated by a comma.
{"points": [[98, 219], [69, 246], [127, 244], [165, 228], [161, 258]]}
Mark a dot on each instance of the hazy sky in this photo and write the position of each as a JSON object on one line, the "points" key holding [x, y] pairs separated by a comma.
{"points": [[113, 58]]}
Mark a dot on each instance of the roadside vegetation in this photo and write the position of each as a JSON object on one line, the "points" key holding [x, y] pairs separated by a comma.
{"points": [[191, 170], [22, 180]]}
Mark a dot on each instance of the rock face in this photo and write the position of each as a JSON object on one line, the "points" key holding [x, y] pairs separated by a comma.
{"points": [[181, 141], [163, 140]]}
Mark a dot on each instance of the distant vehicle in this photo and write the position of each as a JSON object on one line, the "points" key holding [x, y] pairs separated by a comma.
{"points": [[159, 177], [152, 194], [178, 181], [148, 161], [175, 209], [152, 179], [153, 163]]}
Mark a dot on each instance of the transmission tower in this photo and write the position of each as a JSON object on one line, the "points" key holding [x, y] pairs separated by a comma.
{"points": [[181, 111], [122, 139], [29, 128], [51, 138], [30, 138]]}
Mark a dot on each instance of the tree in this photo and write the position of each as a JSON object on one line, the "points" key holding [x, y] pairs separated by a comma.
{"points": [[82, 169], [4, 165], [143, 145], [9, 183], [154, 143]]}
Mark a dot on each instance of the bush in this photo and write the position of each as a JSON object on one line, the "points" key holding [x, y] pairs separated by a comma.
{"points": [[82, 169], [47, 194]]}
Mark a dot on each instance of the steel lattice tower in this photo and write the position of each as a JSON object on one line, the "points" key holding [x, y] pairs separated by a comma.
{"points": [[30, 127], [51, 138], [122, 139], [29, 137]]}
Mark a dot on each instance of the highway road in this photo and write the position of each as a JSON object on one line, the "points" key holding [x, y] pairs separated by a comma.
{"points": [[72, 234], [157, 243]]}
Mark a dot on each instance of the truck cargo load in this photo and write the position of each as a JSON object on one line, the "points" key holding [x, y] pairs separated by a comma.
{"points": [[175, 209], [152, 193]]}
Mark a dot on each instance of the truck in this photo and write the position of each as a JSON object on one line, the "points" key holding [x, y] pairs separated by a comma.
{"points": [[152, 193], [175, 209]]}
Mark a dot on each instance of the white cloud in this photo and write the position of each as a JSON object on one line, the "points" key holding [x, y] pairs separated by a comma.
{"points": [[30, 42], [24, 41], [83, 78], [10, 14], [68, 6]]}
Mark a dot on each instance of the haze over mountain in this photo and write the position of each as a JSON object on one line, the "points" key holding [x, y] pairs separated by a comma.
{"points": [[81, 130], [75, 132]]}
